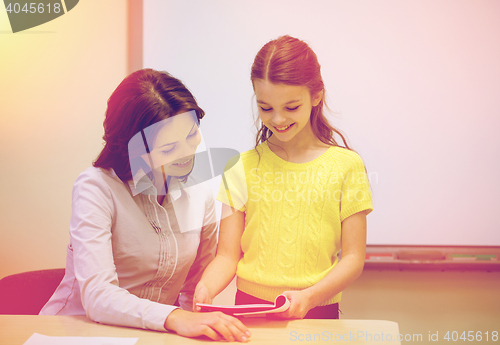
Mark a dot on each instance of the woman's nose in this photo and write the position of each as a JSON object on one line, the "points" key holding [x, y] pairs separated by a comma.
{"points": [[187, 149]]}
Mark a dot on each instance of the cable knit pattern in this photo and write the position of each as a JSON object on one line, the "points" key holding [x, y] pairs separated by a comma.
{"points": [[287, 247], [293, 215], [313, 234], [265, 248]]}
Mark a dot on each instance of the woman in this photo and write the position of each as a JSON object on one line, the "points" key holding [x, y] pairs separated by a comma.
{"points": [[139, 241]]}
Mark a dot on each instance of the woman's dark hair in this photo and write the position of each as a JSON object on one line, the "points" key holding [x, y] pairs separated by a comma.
{"points": [[290, 61], [143, 98]]}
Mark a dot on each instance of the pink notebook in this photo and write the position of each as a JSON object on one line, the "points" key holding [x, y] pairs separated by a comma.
{"points": [[281, 303]]}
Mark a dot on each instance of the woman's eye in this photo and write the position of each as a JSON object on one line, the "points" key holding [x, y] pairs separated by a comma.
{"points": [[266, 109], [168, 151], [194, 133], [294, 108]]}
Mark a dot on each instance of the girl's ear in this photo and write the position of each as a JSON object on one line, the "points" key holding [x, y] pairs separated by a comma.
{"points": [[317, 98]]}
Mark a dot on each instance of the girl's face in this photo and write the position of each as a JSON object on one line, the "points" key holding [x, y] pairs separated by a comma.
{"points": [[285, 109], [175, 145]]}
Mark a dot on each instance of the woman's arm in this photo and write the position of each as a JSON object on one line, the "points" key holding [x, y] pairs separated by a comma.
{"points": [[94, 266], [216, 326], [342, 275], [221, 271]]}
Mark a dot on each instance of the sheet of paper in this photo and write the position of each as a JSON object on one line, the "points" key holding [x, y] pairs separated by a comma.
{"points": [[39, 339]]}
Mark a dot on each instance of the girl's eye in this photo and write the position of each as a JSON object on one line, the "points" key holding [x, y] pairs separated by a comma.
{"points": [[294, 108], [264, 109]]}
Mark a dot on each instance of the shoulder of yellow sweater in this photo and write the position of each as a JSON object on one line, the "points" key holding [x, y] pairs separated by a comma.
{"points": [[252, 154], [345, 156], [249, 157]]}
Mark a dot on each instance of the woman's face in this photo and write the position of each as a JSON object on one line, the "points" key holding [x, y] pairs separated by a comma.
{"points": [[285, 109], [175, 145]]}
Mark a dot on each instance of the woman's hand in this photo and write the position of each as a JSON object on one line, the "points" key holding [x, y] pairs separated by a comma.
{"points": [[216, 325], [201, 295], [300, 304]]}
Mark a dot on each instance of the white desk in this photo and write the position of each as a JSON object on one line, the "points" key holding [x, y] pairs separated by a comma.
{"points": [[16, 329]]}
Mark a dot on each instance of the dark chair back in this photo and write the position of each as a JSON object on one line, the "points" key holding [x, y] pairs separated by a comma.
{"points": [[26, 293]]}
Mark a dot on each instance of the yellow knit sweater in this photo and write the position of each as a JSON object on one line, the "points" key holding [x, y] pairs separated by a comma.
{"points": [[293, 216]]}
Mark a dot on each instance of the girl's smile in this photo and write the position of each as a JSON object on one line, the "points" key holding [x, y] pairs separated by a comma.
{"points": [[283, 129]]}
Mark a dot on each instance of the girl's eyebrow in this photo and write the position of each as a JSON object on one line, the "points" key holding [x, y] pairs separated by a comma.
{"points": [[177, 141], [296, 100]]}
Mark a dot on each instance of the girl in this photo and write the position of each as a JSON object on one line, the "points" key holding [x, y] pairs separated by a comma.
{"points": [[295, 201], [139, 241]]}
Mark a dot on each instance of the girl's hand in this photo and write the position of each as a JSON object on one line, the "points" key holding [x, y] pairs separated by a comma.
{"points": [[201, 295], [216, 326], [299, 305]]}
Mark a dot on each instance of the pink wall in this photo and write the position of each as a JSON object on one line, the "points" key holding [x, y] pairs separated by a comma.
{"points": [[54, 83], [413, 84]]}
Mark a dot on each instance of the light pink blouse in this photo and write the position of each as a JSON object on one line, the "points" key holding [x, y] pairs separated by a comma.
{"points": [[130, 258]]}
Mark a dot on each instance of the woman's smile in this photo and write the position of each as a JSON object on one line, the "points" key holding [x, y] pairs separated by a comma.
{"points": [[184, 164]]}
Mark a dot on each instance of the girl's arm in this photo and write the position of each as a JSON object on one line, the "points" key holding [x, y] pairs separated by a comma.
{"points": [[216, 326], [222, 269], [342, 275]]}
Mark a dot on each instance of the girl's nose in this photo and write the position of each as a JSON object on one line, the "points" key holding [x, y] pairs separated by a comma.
{"points": [[278, 118]]}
